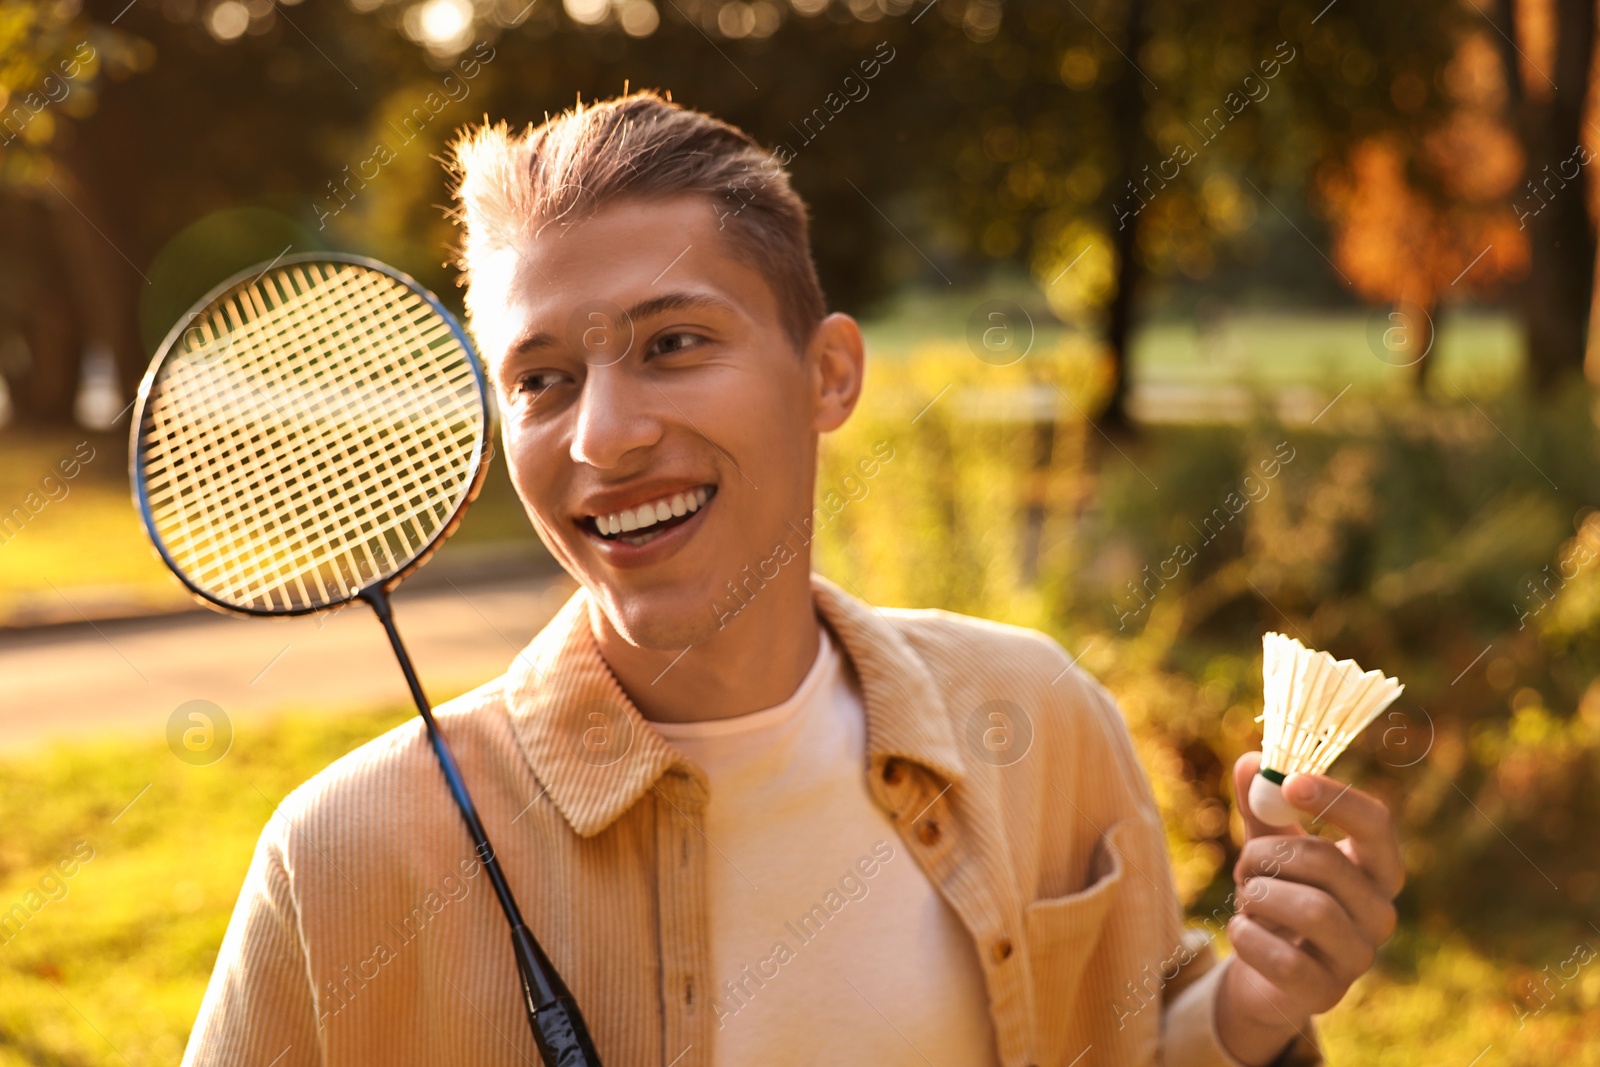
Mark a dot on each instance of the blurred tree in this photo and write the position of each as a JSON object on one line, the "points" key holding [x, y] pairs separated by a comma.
{"points": [[286, 92], [1547, 52], [65, 283], [1442, 213], [1111, 141], [1418, 221]]}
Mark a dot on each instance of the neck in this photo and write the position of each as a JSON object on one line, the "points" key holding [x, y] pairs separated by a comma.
{"points": [[756, 661]]}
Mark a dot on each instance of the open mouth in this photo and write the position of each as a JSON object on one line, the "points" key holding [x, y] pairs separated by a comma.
{"points": [[643, 524]]}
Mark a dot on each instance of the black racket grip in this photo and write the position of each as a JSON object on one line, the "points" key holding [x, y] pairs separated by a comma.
{"points": [[558, 1026], [562, 1037]]}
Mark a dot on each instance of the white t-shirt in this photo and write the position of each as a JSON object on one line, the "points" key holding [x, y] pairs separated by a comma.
{"points": [[828, 942]]}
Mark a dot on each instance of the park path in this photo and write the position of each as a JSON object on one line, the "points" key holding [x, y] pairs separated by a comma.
{"points": [[127, 677]]}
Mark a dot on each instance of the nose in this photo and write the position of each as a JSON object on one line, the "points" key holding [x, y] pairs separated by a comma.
{"points": [[616, 414]]}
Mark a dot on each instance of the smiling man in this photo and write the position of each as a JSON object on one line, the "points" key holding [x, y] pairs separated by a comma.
{"points": [[805, 831]]}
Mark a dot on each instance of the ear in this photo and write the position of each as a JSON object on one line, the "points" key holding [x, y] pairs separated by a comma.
{"points": [[837, 359]]}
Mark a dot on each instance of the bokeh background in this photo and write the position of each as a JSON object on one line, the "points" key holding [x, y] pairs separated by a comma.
{"points": [[1186, 321]]}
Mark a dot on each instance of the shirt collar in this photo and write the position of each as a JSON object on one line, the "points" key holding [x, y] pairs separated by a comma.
{"points": [[595, 754]]}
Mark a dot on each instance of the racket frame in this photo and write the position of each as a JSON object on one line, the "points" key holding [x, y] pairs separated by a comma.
{"points": [[483, 452]]}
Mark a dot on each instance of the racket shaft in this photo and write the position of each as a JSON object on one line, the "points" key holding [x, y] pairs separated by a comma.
{"points": [[558, 1026]]}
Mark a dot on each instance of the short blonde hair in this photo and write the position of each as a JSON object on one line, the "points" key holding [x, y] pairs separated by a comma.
{"points": [[642, 145]]}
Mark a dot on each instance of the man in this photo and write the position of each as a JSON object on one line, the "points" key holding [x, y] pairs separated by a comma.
{"points": [[751, 819]]}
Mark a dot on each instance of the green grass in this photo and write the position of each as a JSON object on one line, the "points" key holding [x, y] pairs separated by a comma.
{"points": [[1474, 349], [1275, 350], [80, 536], [112, 972]]}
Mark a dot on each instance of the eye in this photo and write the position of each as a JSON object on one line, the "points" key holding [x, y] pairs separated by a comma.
{"points": [[534, 383], [680, 341]]}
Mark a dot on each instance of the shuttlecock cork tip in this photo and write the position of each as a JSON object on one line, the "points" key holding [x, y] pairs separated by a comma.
{"points": [[1268, 802], [1314, 707]]}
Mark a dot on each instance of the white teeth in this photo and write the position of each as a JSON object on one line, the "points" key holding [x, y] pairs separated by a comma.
{"points": [[646, 515]]}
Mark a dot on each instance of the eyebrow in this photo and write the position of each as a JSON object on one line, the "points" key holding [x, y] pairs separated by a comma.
{"points": [[643, 309]]}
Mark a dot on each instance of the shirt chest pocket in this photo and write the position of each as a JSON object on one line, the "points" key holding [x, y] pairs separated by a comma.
{"points": [[1061, 934]]}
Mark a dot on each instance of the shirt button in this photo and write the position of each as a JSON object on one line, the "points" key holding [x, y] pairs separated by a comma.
{"points": [[928, 832], [892, 774], [1001, 950]]}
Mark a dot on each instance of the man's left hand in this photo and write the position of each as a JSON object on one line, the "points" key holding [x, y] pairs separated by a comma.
{"points": [[1310, 912]]}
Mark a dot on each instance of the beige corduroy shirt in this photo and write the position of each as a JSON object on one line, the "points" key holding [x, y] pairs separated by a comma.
{"points": [[367, 933]]}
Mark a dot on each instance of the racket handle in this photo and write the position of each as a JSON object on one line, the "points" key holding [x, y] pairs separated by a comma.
{"points": [[558, 1026], [563, 1042]]}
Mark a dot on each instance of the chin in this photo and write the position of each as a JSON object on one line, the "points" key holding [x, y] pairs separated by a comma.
{"points": [[668, 620]]}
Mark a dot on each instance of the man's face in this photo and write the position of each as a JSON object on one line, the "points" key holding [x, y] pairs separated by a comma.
{"points": [[639, 365]]}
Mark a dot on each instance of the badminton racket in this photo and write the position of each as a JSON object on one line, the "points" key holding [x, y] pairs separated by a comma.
{"points": [[307, 435]]}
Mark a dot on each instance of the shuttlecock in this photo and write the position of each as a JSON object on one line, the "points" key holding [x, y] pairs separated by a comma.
{"points": [[1315, 706]]}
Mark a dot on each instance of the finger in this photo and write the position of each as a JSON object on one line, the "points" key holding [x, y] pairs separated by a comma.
{"points": [[1263, 855], [1322, 864], [1301, 912], [1244, 769], [1372, 840], [1292, 969]]}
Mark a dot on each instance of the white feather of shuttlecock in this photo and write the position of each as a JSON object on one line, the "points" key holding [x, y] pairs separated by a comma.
{"points": [[1315, 705]]}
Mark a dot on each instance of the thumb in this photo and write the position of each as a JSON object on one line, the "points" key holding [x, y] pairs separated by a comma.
{"points": [[1244, 770]]}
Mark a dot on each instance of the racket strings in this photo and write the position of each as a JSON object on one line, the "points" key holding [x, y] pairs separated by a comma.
{"points": [[312, 506], [342, 476], [235, 386], [317, 432]]}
